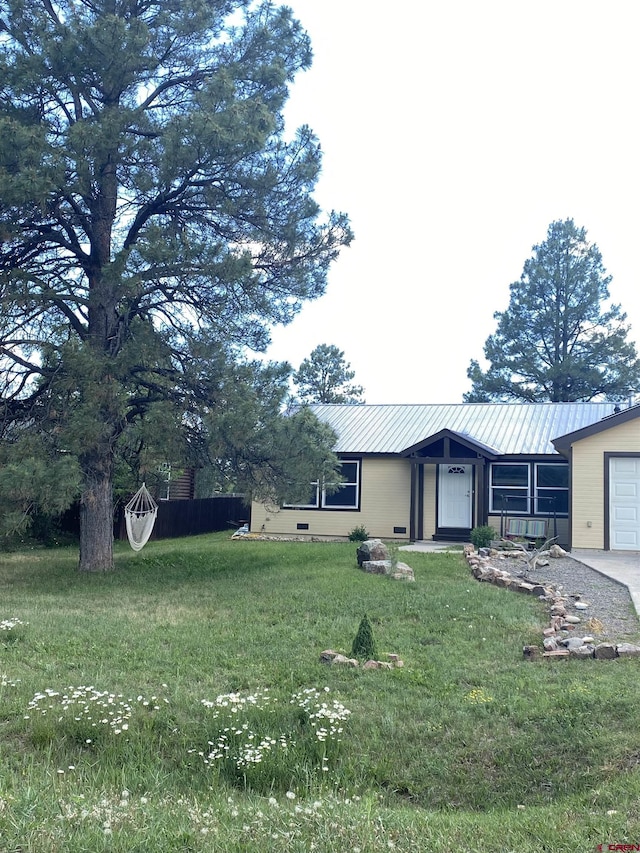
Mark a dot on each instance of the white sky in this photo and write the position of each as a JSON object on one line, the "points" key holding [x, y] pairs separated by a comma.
{"points": [[454, 132]]}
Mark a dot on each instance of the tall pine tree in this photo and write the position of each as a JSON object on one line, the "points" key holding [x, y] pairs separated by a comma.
{"points": [[325, 377], [558, 341], [154, 218]]}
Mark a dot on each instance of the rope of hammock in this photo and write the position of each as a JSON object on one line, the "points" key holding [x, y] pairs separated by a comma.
{"points": [[140, 516]]}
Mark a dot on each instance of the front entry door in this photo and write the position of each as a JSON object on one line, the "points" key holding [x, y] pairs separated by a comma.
{"points": [[454, 496]]}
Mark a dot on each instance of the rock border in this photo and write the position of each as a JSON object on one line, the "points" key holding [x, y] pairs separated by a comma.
{"points": [[558, 640], [331, 657]]}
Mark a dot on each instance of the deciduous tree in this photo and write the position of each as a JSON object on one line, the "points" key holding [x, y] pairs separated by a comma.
{"points": [[559, 339], [154, 217]]}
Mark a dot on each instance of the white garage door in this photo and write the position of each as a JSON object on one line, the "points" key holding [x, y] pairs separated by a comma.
{"points": [[624, 510]]}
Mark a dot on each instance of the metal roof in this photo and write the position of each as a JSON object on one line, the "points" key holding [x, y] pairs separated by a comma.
{"points": [[507, 428]]}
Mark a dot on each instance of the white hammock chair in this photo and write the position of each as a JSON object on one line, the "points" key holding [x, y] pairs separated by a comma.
{"points": [[140, 516]]}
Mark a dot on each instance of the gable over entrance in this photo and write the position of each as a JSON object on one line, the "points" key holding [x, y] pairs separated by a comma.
{"points": [[458, 465]]}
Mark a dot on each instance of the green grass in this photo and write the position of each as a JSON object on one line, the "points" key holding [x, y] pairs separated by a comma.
{"points": [[467, 747]]}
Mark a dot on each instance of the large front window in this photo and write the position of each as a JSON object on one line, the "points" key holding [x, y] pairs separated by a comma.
{"points": [[509, 487], [552, 489], [346, 496], [529, 488]]}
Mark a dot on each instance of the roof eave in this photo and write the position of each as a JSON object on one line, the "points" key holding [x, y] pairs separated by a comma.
{"points": [[563, 442]]}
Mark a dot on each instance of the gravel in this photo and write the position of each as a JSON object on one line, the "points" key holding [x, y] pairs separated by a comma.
{"points": [[610, 608]]}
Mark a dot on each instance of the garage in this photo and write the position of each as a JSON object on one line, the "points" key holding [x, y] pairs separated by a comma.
{"points": [[604, 461], [624, 503]]}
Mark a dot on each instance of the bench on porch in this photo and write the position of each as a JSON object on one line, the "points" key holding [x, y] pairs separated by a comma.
{"points": [[526, 528]]}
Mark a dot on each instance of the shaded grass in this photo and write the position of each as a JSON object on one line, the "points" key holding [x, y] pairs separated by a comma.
{"points": [[456, 750]]}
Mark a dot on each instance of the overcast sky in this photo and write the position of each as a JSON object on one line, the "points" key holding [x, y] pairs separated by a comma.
{"points": [[454, 132]]}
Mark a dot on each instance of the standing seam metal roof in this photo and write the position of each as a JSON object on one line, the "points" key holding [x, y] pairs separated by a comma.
{"points": [[509, 428]]}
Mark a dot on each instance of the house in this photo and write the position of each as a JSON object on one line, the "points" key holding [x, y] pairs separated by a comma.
{"points": [[416, 472]]}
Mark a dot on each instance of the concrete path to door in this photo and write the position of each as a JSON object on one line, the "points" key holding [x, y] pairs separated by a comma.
{"points": [[621, 566]]}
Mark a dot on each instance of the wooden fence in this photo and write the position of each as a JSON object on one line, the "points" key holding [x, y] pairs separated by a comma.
{"points": [[191, 517]]}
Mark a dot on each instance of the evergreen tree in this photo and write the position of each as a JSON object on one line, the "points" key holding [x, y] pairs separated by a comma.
{"points": [[324, 377], [364, 644], [154, 219], [557, 341]]}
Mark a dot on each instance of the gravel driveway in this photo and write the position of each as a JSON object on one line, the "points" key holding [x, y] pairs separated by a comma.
{"points": [[609, 601]]}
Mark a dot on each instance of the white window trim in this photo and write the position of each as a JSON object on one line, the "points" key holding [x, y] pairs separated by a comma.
{"points": [[355, 483], [321, 495]]}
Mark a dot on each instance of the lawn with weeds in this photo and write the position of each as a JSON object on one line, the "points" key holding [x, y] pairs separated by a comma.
{"points": [[179, 704]]}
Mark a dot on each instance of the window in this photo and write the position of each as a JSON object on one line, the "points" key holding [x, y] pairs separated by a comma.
{"points": [[540, 488], [314, 497], [347, 496], [552, 489], [509, 487]]}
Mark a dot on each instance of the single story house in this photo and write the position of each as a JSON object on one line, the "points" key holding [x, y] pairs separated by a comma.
{"points": [[532, 470]]}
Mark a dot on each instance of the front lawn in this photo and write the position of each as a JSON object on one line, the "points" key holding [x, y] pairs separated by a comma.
{"points": [[179, 704]]}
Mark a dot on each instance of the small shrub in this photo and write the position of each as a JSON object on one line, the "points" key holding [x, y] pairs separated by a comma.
{"points": [[359, 534], [483, 536], [364, 645]]}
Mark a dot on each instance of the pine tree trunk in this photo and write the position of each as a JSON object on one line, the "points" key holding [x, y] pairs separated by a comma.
{"points": [[96, 515]]}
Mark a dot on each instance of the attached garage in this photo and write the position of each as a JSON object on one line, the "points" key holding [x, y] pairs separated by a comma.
{"points": [[624, 503], [604, 465]]}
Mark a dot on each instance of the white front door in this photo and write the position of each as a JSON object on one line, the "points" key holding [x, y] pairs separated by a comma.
{"points": [[454, 496], [624, 504]]}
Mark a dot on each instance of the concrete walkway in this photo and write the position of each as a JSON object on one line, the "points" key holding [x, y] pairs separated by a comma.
{"points": [[621, 566]]}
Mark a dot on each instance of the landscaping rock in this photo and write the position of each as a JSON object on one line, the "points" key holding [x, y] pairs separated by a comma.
{"points": [[628, 650], [539, 590], [398, 571], [582, 652], [332, 657], [556, 640], [605, 651], [376, 567], [572, 643], [344, 660], [557, 552], [402, 572], [372, 549]]}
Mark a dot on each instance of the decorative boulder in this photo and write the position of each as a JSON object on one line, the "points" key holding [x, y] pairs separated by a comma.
{"points": [[403, 572], [557, 552], [372, 550], [397, 571], [376, 567], [628, 650], [605, 651]]}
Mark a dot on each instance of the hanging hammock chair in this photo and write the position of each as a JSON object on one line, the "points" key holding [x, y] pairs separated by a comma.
{"points": [[140, 516]]}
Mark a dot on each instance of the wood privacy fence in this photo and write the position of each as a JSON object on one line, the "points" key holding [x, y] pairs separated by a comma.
{"points": [[191, 517]]}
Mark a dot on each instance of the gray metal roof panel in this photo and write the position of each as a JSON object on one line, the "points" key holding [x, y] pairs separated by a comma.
{"points": [[510, 428]]}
